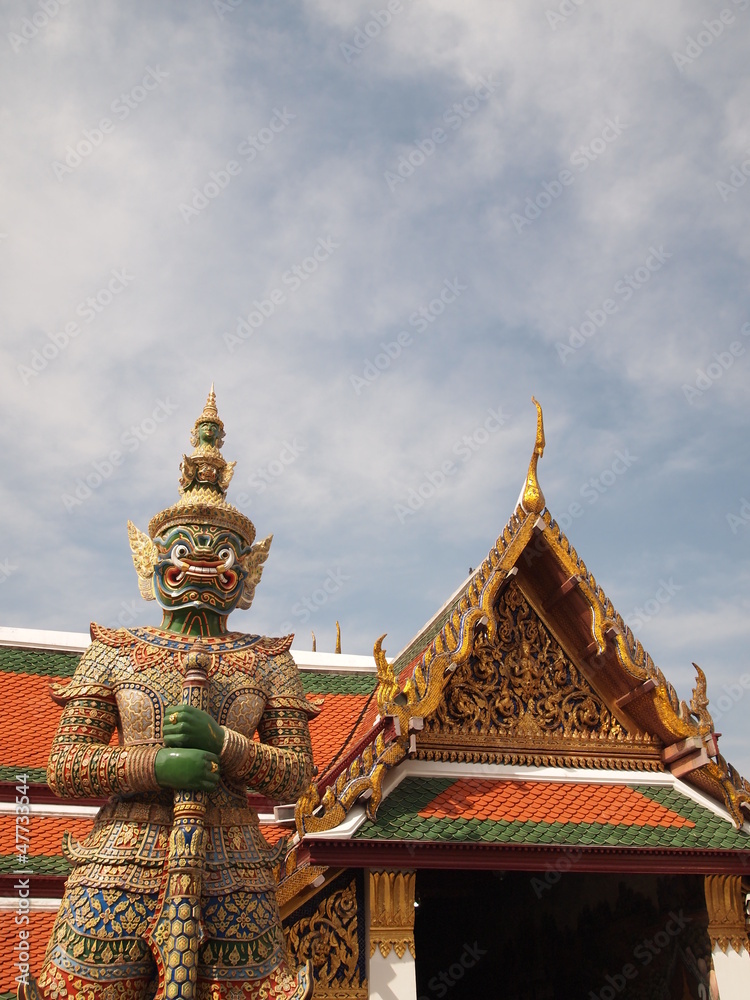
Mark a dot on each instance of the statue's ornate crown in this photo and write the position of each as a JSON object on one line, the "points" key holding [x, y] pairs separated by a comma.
{"points": [[204, 478]]}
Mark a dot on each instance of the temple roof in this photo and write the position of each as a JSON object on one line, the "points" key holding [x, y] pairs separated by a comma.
{"points": [[528, 663], [507, 811]]}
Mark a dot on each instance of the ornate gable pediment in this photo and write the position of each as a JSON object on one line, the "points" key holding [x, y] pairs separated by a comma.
{"points": [[520, 699], [528, 664]]}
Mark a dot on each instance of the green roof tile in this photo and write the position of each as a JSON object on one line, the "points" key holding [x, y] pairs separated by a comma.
{"points": [[398, 819], [42, 662], [34, 775], [323, 682], [39, 864]]}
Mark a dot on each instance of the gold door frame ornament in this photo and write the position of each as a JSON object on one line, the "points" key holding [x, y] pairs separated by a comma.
{"points": [[727, 920], [330, 939], [392, 912]]}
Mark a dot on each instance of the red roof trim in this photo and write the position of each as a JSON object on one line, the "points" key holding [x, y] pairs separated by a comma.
{"points": [[342, 764], [522, 857]]}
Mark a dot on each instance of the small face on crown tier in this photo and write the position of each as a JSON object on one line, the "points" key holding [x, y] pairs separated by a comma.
{"points": [[208, 433], [200, 566]]}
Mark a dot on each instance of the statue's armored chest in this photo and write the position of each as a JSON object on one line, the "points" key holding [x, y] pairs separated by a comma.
{"points": [[145, 685]]}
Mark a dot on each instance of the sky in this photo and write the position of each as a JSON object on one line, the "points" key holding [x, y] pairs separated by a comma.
{"points": [[379, 228]]}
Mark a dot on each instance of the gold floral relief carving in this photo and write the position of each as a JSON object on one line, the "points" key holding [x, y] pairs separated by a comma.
{"points": [[727, 922], [521, 683], [330, 939], [392, 912]]}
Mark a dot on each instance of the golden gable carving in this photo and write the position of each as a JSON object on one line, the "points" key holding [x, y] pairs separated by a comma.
{"points": [[519, 691]]}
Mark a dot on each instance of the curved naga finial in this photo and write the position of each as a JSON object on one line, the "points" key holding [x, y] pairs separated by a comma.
{"points": [[532, 498], [387, 681]]}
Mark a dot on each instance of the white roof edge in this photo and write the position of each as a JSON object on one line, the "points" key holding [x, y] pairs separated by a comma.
{"points": [[35, 638], [77, 642], [334, 662], [35, 904]]}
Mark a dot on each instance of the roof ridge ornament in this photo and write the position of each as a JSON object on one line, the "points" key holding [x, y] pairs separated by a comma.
{"points": [[532, 498]]}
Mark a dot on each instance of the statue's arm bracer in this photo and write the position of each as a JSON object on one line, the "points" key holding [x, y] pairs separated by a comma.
{"points": [[280, 764], [82, 764]]}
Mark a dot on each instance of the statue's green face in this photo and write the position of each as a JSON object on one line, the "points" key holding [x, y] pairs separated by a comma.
{"points": [[200, 566], [208, 433]]}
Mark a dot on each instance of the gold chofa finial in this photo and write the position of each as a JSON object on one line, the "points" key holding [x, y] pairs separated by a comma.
{"points": [[532, 498], [315, 643], [338, 638], [211, 417], [209, 410]]}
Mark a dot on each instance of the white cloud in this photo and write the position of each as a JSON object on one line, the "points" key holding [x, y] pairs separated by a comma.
{"points": [[322, 176]]}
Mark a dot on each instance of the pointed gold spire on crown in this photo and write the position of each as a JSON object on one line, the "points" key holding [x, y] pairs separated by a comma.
{"points": [[210, 417], [204, 479], [532, 498]]}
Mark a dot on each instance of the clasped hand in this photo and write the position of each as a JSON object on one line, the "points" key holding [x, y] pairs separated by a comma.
{"points": [[193, 744]]}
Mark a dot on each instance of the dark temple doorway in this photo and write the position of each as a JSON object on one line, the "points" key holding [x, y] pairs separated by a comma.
{"points": [[560, 936]]}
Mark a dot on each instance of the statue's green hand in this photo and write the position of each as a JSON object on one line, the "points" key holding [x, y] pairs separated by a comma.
{"points": [[185, 726], [193, 770]]}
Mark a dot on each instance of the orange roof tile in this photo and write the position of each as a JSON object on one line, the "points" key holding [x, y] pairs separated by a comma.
{"points": [[337, 717], [26, 733], [39, 928], [273, 832], [550, 802], [45, 833]]}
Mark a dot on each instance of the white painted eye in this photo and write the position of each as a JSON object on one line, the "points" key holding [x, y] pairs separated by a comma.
{"points": [[178, 554], [227, 556]]}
